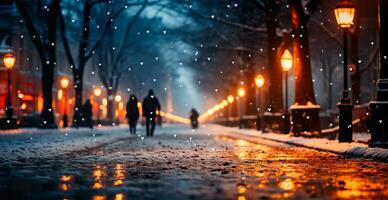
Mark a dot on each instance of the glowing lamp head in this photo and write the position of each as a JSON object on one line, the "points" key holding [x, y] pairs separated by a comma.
{"points": [[241, 92], [64, 82], [286, 60], [230, 98], [224, 102], [9, 60], [97, 92], [259, 80], [344, 13], [210, 111], [117, 98], [216, 107]]}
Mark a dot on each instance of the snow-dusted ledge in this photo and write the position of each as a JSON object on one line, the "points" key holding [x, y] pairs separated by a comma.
{"points": [[351, 149]]}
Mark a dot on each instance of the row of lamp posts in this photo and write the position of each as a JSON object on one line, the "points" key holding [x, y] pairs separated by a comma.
{"points": [[344, 13], [286, 63]]}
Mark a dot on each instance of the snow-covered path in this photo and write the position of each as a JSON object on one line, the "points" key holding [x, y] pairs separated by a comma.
{"points": [[26, 145], [178, 163]]}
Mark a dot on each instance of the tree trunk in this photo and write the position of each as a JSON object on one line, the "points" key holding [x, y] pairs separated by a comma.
{"points": [[46, 47], [78, 87], [274, 69], [249, 78], [47, 114], [304, 89], [305, 116]]}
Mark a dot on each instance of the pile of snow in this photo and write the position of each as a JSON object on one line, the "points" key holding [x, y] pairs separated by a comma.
{"points": [[322, 144]]}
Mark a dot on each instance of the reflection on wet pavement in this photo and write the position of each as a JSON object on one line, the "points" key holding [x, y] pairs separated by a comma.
{"points": [[196, 166]]}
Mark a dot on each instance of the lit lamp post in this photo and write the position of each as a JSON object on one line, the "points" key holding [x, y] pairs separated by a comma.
{"points": [[118, 99], [259, 81], [241, 94], [286, 62], [379, 106], [9, 61], [97, 92], [64, 84], [230, 100], [344, 14]]}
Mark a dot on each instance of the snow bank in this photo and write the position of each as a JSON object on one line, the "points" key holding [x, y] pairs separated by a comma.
{"points": [[356, 149]]}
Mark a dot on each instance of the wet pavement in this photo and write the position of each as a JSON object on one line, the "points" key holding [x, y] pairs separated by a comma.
{"points": [[179, 163]]}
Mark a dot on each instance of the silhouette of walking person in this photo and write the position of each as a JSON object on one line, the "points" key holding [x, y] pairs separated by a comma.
{"points": [[150, 106], [132, 114], [87, 114], [194, 118]]}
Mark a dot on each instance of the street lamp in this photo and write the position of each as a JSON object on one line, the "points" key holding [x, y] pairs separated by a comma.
{"points": [[9, 61], [259, 81], [344, 14], [286, 62], [241, 94], [64, 82], [117, 99], [230, 99], [97, 92]]}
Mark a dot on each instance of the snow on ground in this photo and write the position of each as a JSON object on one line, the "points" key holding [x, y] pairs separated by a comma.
{"points": [[23, 145], [358, 149]]}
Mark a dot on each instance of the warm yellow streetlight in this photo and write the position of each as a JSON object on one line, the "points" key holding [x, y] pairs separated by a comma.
{"points": [[224, 102], [64, 82], [259, 80], [344, 13], [117, 98], [286, 60], [210, 111], [230, 98], [9, 60], [217, 107], [241, 92], [97, 92]]}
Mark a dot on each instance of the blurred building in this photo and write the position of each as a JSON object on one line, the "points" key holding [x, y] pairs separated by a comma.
{"points": [[26, 95]]}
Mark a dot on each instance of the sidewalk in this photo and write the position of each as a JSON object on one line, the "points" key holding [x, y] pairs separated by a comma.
{"points": [[24, 145], [355, 149]]}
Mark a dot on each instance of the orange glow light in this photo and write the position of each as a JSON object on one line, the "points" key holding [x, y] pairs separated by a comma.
{"points": [[241, 92], [259, 80], [64, 82], [97, 92], [286, 60], [344, 13], [9, 60], [230, 98]]}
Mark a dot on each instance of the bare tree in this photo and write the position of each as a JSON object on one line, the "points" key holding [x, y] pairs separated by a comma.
{"points": [[41, 22], [87, 45]]}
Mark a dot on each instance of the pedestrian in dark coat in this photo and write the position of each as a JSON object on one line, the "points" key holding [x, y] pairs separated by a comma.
{"points": [[87, 114], [194, 118], [150, 106], [132, 113]]}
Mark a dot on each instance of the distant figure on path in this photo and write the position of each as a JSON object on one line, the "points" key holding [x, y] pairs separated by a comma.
{"points": [[150, 106], [87, 114], [194, 118], [132, 114]]}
